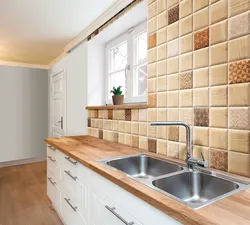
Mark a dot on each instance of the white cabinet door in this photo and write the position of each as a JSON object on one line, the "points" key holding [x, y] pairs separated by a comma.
{"points": [[54, 193]]}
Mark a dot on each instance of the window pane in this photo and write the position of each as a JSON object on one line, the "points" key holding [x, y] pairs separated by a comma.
{"points": [[141, 48], [140, 80], [116, 80], [118, 57]]}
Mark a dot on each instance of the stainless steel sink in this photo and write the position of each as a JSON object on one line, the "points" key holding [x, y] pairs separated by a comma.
{"points": [[143, 166]]}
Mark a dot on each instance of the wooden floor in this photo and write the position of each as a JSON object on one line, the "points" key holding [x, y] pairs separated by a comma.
{"points": [[23, 198]]}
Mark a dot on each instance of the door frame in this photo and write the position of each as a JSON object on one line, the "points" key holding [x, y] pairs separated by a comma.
{"points": [[51, 74]]}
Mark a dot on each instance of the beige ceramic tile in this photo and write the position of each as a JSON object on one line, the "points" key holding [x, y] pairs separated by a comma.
{"points": [[152, 101], [161, 5], [135, 128], [201, 58], [238, 6], [173, 99], [239, 94], [219, 11], [173, 82], [173, 114], [173, 149], [162, 147], [162, 83], [105, 135], [197, 150], [151, 1], [152, 85], [239, 141], [186, 98], [171, 3], [128, 139], [142, 114], [238, 163], [182, 151], [219, 75], [162, 99], [201, 96], [186, 8], [218, 138], [152, 70], [183, 132], [239, 48], [219, 159], [105, 114], [213, 1], [218, 54], [162, 68], [173, 31], [121, 126], [152, 115], [161, 36], [162, 20], [152, 25], [201, 78], [200, 4], [218, 117], [186, 25], [162, 52], [143, 129], [151, 131], [219, 32], [186, 44], [110, 136], [152, 41], [218, 96], [186, 62], [115, 125], [161, 114], [187, 115], [173, 48], [173, 65], [143, 143], [201, 136], [239, 118], [152, 10], [127, 127], [201, 19], [152, 55], [162, 132]]}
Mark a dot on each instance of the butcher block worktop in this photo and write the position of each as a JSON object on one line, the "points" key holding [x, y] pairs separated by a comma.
{"points": [[233, 210]]}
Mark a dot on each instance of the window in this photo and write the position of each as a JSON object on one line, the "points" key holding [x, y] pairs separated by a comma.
{"points": [[127, 65]]}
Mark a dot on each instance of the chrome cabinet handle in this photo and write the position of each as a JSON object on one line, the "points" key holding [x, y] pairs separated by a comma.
{"points": [[51, 159], [68, 201], [51, 147], [51, 181], [70, 160], [112, 210], [68, 172]]}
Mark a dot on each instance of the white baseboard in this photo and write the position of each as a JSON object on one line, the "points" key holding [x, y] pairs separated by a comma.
{"points": [[22, 162]]}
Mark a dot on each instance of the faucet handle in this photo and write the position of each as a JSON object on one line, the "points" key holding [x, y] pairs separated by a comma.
{"points": [[202, 156], [203, 163]]}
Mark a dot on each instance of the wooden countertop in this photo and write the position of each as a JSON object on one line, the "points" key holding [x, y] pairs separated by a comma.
{"points": [[233, 210]]}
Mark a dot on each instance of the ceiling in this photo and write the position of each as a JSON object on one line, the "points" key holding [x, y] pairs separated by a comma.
{"points": [[36, 31]]}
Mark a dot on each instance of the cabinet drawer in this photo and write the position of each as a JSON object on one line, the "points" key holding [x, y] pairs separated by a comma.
{"points": [[51, 151], [70, 212], [54, 192], [53, 168]]}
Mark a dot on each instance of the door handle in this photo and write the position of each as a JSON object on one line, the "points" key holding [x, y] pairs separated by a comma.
{"points": [[61, 122], [50, 179], [69, 174], [68, 201]]}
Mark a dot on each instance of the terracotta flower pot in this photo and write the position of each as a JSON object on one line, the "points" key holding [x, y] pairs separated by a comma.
{"points": [[118, 99]]}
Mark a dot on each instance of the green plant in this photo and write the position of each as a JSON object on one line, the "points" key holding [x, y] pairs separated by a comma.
{"points": [[116, 91]]}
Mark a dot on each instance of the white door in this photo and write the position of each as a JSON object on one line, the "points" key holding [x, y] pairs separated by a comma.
{"points": [[58, 105]]}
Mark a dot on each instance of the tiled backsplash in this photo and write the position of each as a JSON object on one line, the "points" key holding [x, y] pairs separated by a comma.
{"points": [[198, 72]]}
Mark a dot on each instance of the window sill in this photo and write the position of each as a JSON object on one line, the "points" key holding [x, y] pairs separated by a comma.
{"points": [[132, 106]]}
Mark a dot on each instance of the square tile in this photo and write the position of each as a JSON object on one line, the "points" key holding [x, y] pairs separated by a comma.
{"points": [[152, 146], [162, 132], [142, 114], [239, 49], [101, 134], [173, 31], [219, 33], [121, 126], [219, 117], [239, 118], [218, 11], [183, 132], [161, 6], [239, 95], [218, 138], [116, 115], [161, 36], [182, 151], [128, 114], [187, 115], [135, 128], [89, 122], [135, 141], [239, 141], [173, 99], [218, 75], [201, 97], [173, 65], [172, 3], [115, 125], [162, 83], [238, 6], [100, 114], [201, 136], [238, 163], [173, 133], [143, 143], [152, 70], [151, 1], [197, 150], [152, 41], [135, 114], [213, 1], [128, 139], [116, 137], [152, 101], [218, 96], [161, 114], [162, 68], [105, 135], [173, 48], [173, 114], [162, 52], [152, 115], [127, 127], [162, 147], [239, 72], [152, 10], [201, 19], [143, 129], [200, 4], [110, 114], [162, 99], [173, 82], [162, 20], [152, 25], [173, 15], [186, 44], [152, 56], [186, 8], [201, 117], [121, 114], [201, 58], [121, 138], [173, 149], [239, 25], [219, 160], [152, 85], [201, 78], [201, 39], [110, 136], [186, 25], [218, 54], [151, 131], [186, 80], [186, 98], [186, 62], [105, 114]]}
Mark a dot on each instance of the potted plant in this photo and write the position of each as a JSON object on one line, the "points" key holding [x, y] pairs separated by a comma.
{"points": [[117, 97]]}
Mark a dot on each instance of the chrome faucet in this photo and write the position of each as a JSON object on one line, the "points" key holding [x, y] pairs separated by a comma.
{"points": [[192, 162]]}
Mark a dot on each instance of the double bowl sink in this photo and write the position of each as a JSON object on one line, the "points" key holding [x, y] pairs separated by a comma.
{"points": [[194, 188]]}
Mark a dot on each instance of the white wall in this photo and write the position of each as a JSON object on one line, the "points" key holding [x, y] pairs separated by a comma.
{"points": [[24, 113]]}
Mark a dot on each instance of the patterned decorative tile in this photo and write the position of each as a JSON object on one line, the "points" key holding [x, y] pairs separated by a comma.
{"points": [[152, 41], [152, 102], [186, 80], [110, 114], [173, 14], [239, 118], [152, 145], [173, 133], [201, 117], [101, 134], [219, 159], [95, 113], [127, 114], [135, 141], [116, 137], [239, 72], [201, 39], [89, 122]]}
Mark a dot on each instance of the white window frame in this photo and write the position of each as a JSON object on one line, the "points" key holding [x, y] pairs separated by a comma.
{"points": [[130, 38]]}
